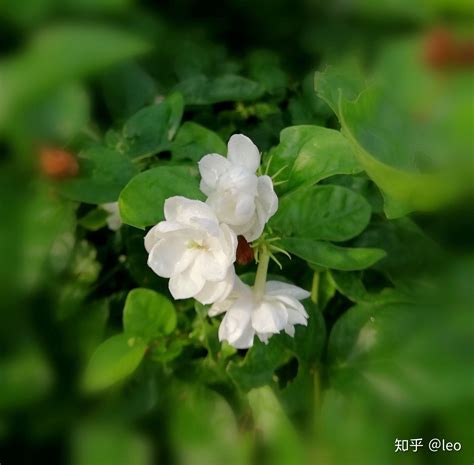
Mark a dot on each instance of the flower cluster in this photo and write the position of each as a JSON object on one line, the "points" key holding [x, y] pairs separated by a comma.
{"points": [[195, 247], [248, 314]]}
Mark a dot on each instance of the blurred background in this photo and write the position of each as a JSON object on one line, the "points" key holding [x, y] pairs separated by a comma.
{"points": [[73, 73]]}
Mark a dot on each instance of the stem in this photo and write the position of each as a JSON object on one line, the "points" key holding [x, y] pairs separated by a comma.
{"points": [[316, 397], [315, 288], [92, 133], [317, 389], [261, 276]]}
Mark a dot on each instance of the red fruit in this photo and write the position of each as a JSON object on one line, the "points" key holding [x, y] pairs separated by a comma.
{"points": [[440, 49], [244, 251], [443, 51], [465, 54], [57, 163]]}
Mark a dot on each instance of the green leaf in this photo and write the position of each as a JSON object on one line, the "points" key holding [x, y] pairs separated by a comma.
{"points": [[332, 256], [201, 90], [85, 268], [259, 364], [306, 107], [148, 315], [115, 359], [58, 118], [166, 351], [414, 191], [345, 336], [151, 129], [127, 88], [297, 393], [326, 154], [292, 140], [46, 224], [71, 51], [94, 219], [108, 442], [308, 341], [97, 6], [203, 428], [103, 174], [411, 254], [204, 331], [136, 258], [413, 171], [307, 154], [323, 288], [193, 141], [88, 326], [331, 213], [175, 102], [369, 332], [336, 83], [282, 442], [363, 185], [391, 348], [350, 285], [142, 200], [26, 377], [264, 67]]}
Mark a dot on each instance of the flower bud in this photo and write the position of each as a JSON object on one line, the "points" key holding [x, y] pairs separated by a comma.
{"points": [[244, 251]]}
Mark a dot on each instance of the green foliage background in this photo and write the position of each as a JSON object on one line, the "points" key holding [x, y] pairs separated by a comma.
{"points": [[371, 147]]}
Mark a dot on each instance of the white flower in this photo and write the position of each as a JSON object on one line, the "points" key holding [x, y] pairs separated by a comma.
{"points": [[193, 250], [114, 221], [247, 315], [237, 195]]}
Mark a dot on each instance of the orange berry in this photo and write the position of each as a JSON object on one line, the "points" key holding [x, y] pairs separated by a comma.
{"points": [[57, 163]]}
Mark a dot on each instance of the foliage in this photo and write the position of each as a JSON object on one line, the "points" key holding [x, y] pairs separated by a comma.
{"points": [[368, 140]]}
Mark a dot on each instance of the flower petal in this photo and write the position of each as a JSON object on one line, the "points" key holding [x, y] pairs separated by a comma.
{"points": [[159, 231], [170, 256], [229, 242], [266, 204], [151, 238], [266, 196], [244, 207], [264, 337], [186, 284], [290, 330], [239, 290], [220, 307], [296, 318], [236, 327], [253, 229], [243, 152], [212, 266], [182, 210], [292, 304], [204, 227], [269, 317], [238, 179], [217, 291], [276, 288], [224, 205], [211, 167]]}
